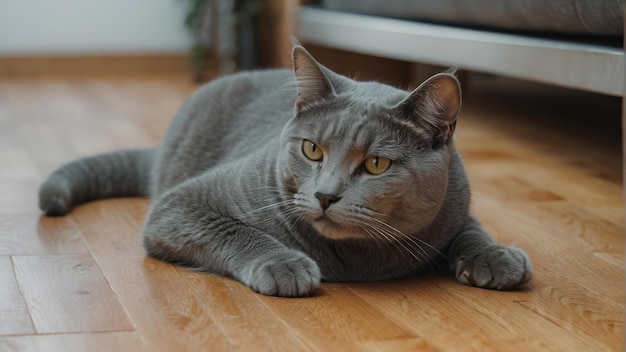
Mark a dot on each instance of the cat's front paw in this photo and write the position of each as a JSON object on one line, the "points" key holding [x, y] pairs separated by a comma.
{"points": [[287, 274], [495, 267]]}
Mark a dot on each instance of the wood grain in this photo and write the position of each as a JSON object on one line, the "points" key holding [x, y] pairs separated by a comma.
{"points": [[250, 324], [33, 234], [332, 314], [158, 296], [68, 293], [108, 341], [472, 318], [14, 316], [542, 178]]}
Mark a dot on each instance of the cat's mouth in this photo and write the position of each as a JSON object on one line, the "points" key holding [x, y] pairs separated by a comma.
{"points": [[324, 219], [333, 223], [331, 227]]}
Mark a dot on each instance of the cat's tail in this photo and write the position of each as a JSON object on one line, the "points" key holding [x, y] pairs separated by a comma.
{"points": [[124, 173]]}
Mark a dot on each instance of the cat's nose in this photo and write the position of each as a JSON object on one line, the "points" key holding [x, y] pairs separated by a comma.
{"points": [[327, 199]]}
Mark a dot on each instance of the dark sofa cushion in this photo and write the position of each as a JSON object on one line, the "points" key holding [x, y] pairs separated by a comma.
{"points": [[598, 17]]}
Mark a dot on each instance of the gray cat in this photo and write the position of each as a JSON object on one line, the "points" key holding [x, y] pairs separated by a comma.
{"points": [[281, 182]]}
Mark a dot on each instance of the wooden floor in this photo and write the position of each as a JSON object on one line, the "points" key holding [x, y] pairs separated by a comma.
{"points": [[545, 167]]}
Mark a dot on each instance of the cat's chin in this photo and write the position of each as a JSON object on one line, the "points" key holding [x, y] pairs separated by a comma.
{"points": [[333, 230]]}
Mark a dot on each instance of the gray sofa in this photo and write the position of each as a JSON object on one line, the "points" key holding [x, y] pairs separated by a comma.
{"points": [[596, 17], [571, 43]]}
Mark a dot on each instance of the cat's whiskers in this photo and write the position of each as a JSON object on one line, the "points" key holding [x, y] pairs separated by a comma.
{"points": [[410, 246], [272, 188], [255, 218], [292, 216], [376, 241], [396, 241], [399, 238], [282, 218], [285, 216], [271, 206], [409, 238], [381, 235]]}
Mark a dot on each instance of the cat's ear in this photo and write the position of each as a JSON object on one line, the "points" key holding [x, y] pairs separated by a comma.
{"points": [[313, 84], [435, 105]]}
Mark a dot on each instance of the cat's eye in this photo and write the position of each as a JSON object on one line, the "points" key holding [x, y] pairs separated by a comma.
{"points": [[312, 150], [376, 165]]}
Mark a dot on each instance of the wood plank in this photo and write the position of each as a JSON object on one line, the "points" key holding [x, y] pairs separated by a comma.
{"points": [[407, 345], [339, 315], [249, 323], [14, 317], [569, 220], [127, 124], [559, 308], [19, 196], [68, 293], [411, 303], [158, 296], [580, 266], [35, 234], [16, 164], [565, 139], [577, 290], [474, 318], [107, 341], [598, 197]]}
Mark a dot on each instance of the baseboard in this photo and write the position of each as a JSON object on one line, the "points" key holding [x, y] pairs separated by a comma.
{"points": [[16, 66]]}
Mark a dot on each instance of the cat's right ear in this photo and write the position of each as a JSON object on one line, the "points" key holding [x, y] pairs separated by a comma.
{"points": [[312, 83], [435, 105]]}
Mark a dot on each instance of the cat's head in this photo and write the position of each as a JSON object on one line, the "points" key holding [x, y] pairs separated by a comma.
{"points": [[363, 159]]}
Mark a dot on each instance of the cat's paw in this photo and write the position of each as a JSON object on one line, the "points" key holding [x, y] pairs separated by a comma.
{"points": [[287, 274], [495, 267]]}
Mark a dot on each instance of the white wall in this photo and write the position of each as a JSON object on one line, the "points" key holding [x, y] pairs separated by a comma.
{"points": [[93, 27]]}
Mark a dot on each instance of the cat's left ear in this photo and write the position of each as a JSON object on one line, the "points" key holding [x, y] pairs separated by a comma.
{"points": [[435, 105], [313, 84]]}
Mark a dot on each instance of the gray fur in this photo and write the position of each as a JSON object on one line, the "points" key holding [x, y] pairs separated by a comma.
{"points": [[233, 194], [116, 174]]}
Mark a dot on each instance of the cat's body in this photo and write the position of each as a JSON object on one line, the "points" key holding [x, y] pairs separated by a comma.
{"points": [[363, 183]]}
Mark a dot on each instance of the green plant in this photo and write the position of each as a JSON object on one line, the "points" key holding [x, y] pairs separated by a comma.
{"points": [[194, 22]]}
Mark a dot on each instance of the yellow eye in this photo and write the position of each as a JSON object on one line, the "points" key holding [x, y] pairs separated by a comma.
{"points": [[312, 150], [376, 165]]}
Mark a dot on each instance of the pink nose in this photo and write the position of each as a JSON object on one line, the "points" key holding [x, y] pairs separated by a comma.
{"points": [[327, 199]]}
